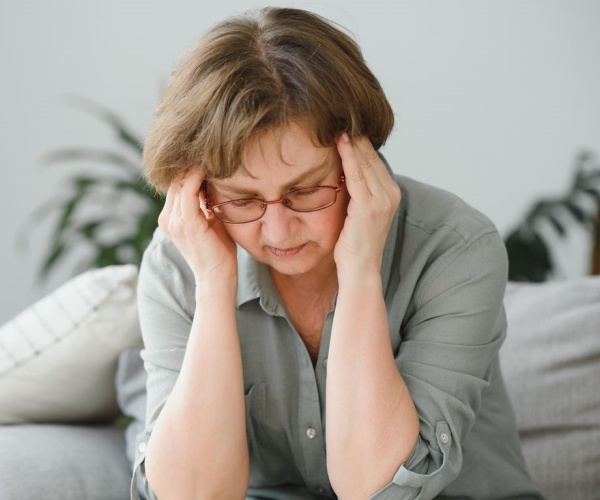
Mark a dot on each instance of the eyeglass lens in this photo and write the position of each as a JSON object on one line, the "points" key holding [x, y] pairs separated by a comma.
{"points": [[302, 200]]}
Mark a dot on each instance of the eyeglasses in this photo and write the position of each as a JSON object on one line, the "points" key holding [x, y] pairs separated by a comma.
{"points": [[244, 210]]}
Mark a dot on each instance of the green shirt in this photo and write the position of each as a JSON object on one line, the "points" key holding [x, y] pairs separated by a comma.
{"points": [[444, 273]]}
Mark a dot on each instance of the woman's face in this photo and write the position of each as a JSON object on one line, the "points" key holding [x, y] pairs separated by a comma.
{"points": [[291, 243]]}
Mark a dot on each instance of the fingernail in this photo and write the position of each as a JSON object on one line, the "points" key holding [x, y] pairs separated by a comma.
{"points": [[345, 137]]}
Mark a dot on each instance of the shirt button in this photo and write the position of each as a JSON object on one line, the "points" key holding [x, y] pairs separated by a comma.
{"points": [[321, 490], [142, 447], [325, 362], [311, 433], [444, 438]]}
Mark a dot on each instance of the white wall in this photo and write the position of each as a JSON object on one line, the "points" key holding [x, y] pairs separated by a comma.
{"points": [[493, 99]]}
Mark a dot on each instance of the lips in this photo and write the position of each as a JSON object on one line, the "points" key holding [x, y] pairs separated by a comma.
{"points": [[286, 252]]}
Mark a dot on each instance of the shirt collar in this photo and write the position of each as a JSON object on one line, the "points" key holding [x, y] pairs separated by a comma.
{"points": [[255, 282]]}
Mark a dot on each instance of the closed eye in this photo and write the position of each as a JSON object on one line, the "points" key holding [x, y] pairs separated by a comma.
{"points": [[241, 203], [306, 192]]}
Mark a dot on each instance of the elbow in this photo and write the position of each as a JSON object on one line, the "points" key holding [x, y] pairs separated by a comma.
{"points": [[173, 480]]}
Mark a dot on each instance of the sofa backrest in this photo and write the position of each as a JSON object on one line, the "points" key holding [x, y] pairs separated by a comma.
{"points": [[551, 364]]}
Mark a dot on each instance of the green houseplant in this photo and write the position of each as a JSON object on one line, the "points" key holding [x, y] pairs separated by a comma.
{"points": [[528, 251], [113, 212]]}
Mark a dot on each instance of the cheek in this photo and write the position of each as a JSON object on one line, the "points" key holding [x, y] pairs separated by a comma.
{"points": [[342, 208], [344, 198], [333, 223], [240, 233]]}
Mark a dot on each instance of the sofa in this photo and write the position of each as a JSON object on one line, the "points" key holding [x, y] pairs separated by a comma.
{"points": [[72, 388]]}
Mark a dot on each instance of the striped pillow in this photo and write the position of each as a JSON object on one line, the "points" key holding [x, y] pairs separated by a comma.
{"points": [[58, 358]]}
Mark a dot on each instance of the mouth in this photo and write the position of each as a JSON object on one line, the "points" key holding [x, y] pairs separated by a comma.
{"points": [[285, 252]]}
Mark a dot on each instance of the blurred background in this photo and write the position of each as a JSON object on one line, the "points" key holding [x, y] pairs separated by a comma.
{"points": [[497, 102]]}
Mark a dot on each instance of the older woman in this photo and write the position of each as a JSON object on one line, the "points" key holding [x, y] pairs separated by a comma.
{"points": [[314, 325]]}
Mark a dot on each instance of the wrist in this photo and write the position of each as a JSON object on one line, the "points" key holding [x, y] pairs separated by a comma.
{"points": [[216, 289], [359, 278]]}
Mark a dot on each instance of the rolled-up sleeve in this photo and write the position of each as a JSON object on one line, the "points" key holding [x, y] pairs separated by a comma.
{"points": [[165, 322], [447, 354]]}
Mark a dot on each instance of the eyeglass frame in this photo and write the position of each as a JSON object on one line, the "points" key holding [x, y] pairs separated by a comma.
{"points": [[210, 207]]}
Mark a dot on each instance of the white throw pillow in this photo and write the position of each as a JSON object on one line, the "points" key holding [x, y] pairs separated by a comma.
{"points": [[551, 364], [58, 358]]}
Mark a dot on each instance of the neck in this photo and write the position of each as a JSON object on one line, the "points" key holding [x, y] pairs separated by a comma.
{"points": [[319, 283]]}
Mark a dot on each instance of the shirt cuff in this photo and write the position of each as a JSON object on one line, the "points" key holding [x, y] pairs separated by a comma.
{"points": [[425, 473], [140, 489]]}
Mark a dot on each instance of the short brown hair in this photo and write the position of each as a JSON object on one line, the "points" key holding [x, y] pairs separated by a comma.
{"points": [[254, 73]]}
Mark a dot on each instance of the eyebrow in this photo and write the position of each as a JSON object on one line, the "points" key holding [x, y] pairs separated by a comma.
{"points": [[298, 180]]}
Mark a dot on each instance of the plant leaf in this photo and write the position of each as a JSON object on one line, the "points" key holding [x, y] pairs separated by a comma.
{"points": [[85, 182], [587, 220], [594, 193], [96, 155], [88, 230], [557, 225], [67, 215], [588, 178], [139, 187], [528, 259], [106, 255], [103, 192], [56, 252], [541, 209], [145, 229], [575, 211], [123, 132]]}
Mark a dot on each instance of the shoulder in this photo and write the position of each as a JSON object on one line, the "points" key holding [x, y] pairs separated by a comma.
{"points": [[441, 242], [431, 209]]}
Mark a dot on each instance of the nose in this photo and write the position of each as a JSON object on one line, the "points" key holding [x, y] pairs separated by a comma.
{"points": [[278, 223]]}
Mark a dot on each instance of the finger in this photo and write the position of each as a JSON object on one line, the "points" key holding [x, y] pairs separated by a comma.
{"points": [[176, 212], [371, 165], [190, 208], [380, 182], [165, 213], [355, 179], [368, 168], [373, 181]]}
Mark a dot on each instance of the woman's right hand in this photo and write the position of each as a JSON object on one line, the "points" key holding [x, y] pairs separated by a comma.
{"points": [[198, 234]]}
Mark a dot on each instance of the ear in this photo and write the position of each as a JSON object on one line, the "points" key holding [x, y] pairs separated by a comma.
{"points": [[205, 204]]}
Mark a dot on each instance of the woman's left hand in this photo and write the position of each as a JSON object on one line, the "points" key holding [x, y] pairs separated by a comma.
{"points": [[374, 198]]}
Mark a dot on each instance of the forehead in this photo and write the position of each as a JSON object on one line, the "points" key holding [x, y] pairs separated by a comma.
{"points": [[279, 155]]}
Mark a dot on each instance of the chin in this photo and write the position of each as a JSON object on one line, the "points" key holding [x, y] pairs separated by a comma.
{"points": [[289, 266], [296, 265], [289, 269]]}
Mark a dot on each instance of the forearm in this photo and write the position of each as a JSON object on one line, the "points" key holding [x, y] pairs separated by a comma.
{"points": [[198, 447], [372, 424]]}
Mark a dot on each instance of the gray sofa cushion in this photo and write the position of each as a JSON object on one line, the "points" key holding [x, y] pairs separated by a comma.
{"points": [[551, 364], [60, 462]]}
